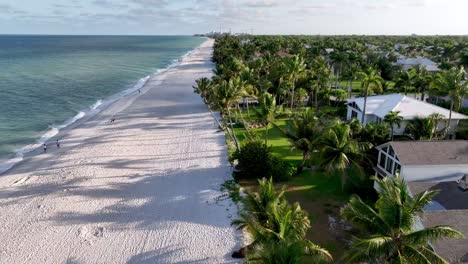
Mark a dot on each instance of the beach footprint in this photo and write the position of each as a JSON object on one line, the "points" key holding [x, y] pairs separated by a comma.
{"points": [[90, 234]]}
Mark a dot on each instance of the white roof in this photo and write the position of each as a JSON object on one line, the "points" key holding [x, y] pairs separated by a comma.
{"points": [[381, 105], [409, 63]]}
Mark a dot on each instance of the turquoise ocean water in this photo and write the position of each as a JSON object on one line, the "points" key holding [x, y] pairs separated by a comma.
{"points": [[48, 82]]}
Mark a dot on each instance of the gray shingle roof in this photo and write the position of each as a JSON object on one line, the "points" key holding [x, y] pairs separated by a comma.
{"points": [[431, 152]]}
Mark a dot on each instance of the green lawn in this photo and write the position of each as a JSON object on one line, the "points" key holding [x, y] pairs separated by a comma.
{"points": [[320, 194], [279, 145]]}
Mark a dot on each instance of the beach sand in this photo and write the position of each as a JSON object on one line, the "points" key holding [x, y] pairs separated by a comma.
{"points": [[143, 189]]}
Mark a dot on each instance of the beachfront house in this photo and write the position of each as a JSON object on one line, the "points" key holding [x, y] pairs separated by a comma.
{"points": [[410, 63], [434, 165], [377, 107], [424, 161]]}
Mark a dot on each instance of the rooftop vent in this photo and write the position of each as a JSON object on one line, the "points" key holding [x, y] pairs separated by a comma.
{"points": [[463, 183]]}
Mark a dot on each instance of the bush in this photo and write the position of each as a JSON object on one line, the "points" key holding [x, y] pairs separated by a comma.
{"points": [[281, 170], [256, 161]]}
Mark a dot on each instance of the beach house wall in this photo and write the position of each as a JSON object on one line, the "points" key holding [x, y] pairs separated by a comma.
{"points": [[423, 161]]}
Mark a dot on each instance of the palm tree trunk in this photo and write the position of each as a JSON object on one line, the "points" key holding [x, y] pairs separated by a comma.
{"points": [[246, 126], [350, 88], [292, 97], [232, 130], [449, 120], [364, 108]]}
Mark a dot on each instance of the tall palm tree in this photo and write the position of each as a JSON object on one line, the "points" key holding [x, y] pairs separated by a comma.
{"points": [[339, 150], [392, 119], [422, 80], [390, 226], [453, 83], [320, 74], [302, 133], [370, 80], [203, 88], [266, 111], [405, 79], [295, 67], [226, 94]]}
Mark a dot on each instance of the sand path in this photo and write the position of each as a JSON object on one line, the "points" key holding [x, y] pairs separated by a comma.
{"points": [[144, 189]]}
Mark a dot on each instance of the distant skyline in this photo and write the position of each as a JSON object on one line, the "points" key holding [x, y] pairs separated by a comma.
{"points": [[183, 17]]}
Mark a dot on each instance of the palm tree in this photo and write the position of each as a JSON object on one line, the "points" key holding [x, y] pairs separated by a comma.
{"points": [[302, 132], [392, 119], [320, 74], [203, 88], [339, 150], [422, 80], [225, 95], [295, 67], [390, 225], [371, 80], [405, 80], [256, 204], [452, 82], [266, 111], [277, 229], [283, 240], [422, 128]]}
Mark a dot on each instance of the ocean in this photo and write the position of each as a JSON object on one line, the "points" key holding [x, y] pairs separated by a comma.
{"points": [[49, 82]]}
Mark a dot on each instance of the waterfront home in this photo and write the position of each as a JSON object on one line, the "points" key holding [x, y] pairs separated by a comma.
{"points": [[434, 165], [424, 161], [380, 105]]}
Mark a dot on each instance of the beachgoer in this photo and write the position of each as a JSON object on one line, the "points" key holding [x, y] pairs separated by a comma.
{"points": [[58, 143], [139, 91], [45, 148], [112, 120]]}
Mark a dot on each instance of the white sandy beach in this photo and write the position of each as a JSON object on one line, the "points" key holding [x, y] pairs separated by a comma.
{"points": [[144, 189]]}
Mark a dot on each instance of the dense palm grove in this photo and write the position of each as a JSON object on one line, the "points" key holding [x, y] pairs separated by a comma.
{"points": [[260, 80]]}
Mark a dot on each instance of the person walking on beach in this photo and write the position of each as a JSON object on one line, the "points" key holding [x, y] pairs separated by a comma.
{"points": [[58, 144], [139, 91], [45, 148]]}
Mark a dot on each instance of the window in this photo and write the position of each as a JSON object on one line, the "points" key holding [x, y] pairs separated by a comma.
{"points": [[385, 149], [382, 160], [389, 165], [353, 114], [378, 120], [391, 152]]}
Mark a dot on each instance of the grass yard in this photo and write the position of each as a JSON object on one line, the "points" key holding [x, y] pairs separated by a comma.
{"points": [[321, 195], [279, 145]]}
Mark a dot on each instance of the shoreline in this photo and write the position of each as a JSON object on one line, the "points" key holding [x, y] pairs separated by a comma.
{"points": [[147, 186], [21, 155]]}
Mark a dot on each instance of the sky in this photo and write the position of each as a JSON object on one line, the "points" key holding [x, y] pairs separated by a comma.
{"points": [[183, 17]]}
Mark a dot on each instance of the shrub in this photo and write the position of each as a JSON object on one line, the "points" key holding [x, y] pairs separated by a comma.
{"points": [[256, 161], [281, 170]]}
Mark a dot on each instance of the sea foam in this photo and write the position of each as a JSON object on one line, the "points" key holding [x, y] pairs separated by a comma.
{"points": [[94, 109]]}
